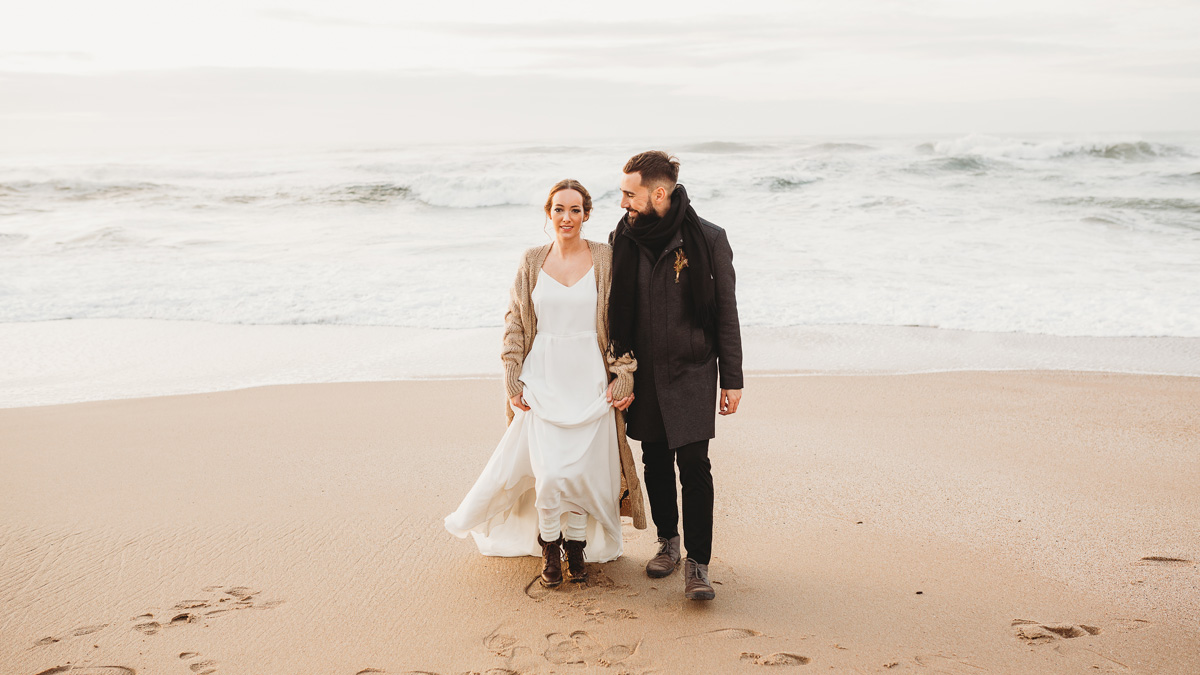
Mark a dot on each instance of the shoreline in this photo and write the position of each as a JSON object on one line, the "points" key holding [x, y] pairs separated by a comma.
{"points": [[951, 522], [70, 361]]}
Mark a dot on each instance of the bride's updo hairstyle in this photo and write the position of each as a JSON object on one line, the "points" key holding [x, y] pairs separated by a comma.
{"points": [[570, 184]]}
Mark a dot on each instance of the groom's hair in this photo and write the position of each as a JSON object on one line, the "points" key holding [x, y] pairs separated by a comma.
{"points": [[656, 168]]}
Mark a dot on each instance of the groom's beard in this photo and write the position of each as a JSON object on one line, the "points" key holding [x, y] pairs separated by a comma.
{"points": [[639, 220]]}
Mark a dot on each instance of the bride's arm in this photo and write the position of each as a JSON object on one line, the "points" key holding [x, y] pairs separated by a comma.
{"points": [[623, 368], [513, 350]]}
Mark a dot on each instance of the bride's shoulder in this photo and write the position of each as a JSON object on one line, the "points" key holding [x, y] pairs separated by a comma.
{"points": [[534, 253], [600, 249]]}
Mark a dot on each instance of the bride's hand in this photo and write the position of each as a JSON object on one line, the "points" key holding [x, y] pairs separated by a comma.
{"points": [[518, 402], [621, 404]]}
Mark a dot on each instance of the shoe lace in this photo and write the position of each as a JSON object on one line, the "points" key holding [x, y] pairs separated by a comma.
{"points": [[664, 545]]}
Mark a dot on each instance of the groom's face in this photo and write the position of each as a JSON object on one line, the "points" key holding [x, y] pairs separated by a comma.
{"points": [[637, 199]]}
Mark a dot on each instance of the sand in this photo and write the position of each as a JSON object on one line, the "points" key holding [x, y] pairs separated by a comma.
{"points": [[1021, 522]]}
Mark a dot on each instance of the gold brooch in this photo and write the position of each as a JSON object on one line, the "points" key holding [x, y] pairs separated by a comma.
{"points": [[680, 263]]}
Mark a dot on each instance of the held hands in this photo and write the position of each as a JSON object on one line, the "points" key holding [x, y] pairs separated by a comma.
{"points": [[621, 404], [729, 400], [518, 402]]}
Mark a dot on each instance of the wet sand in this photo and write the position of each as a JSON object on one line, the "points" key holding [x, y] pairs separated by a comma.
{"points": [[945, 523]]}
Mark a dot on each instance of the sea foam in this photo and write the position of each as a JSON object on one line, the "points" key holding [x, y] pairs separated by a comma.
{"points": [[1095, 236]]}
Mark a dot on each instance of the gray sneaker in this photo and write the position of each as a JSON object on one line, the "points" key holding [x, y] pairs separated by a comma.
{"points": [[695, 579], [667, 559]]}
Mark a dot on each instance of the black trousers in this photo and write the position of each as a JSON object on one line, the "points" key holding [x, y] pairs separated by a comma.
{"points": [[695, 474]]}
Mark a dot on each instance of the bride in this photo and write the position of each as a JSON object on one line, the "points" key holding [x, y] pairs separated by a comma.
{"points": [[564, 455]]}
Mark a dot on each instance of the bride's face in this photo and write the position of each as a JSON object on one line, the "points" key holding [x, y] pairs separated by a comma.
{"points": [[566, 213]]}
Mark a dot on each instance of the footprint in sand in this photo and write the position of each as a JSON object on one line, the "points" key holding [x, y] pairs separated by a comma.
{"points": [[364, 671], [148, 627], [951, 664], [567, 649], [601, 615], [500, 645], [776, 659], [186, 617], [192, 611], [597, 579], [242, 593], [204, 667], [78, 632], [581, 648], [535, 590], [727, 633], [616, 654], [1033, 632], [191, 604]]}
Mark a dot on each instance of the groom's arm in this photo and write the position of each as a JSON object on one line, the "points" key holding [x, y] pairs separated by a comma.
{"points": [[729, 332]]}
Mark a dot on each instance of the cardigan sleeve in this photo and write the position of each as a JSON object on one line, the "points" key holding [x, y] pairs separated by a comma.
{"points": [[513, 350], [623, 368]]}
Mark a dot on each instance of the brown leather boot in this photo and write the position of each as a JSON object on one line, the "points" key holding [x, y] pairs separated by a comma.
{"points": [[696, 585], [576, 571], [667, 559], [551, 562]]}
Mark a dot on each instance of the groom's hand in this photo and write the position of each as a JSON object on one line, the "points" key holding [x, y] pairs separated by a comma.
{"points": [[729, 400]]}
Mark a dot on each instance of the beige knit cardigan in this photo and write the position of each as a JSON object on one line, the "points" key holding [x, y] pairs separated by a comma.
{"points": [[520, 327]]}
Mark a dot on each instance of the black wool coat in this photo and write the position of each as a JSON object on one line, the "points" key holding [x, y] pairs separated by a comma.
{"points": [[680, 363]]}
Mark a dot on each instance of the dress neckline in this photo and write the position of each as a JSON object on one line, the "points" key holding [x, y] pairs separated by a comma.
{"points": [[585, 275]]}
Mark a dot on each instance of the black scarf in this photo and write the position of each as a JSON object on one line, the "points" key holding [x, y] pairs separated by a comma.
{"points": [[654, 233]]}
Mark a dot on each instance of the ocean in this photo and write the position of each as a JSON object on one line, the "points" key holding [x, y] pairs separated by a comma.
{"points": [[1041, 235]]}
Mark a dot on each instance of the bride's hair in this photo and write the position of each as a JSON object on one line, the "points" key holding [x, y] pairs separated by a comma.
{"points": [[570, 184]]}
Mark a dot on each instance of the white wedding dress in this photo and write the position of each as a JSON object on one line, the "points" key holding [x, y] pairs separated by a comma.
{"points": [[562, 454]]}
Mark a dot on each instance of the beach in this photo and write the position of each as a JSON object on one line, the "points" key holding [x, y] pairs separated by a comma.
{"points": [[956, 522], [240, 389], [257, 271]]}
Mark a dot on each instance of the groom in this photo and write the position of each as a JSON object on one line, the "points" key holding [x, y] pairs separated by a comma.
{"points": [[673, 305]]}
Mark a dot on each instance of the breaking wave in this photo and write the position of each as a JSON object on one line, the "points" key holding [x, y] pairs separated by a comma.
{"points": [[781, 184], [1013, 149], [374, 193]]}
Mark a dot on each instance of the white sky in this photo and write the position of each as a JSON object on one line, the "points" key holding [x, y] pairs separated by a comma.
{"points": [[358, 70]]}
